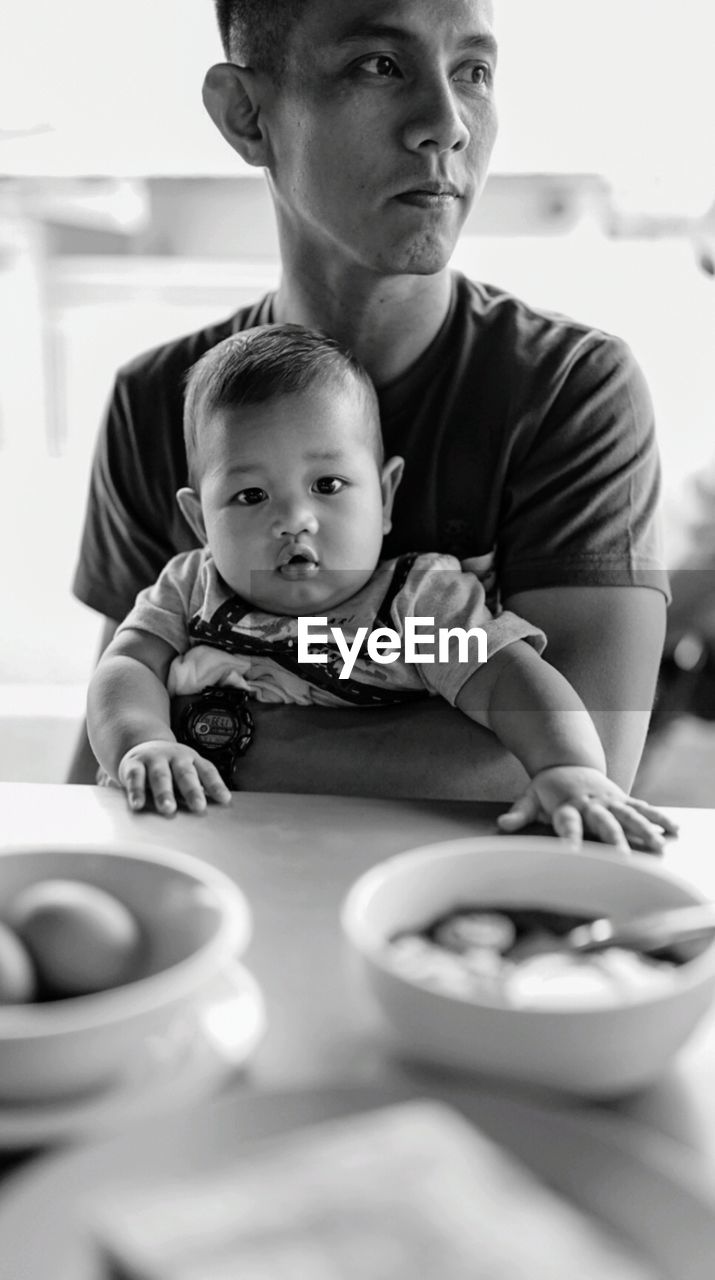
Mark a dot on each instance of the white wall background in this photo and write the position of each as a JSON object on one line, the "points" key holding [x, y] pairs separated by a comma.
{"points": [[610, 87], [622, 88]]}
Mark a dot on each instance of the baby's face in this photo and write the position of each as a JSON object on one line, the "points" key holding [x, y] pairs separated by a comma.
{"points": [[293, 499]]}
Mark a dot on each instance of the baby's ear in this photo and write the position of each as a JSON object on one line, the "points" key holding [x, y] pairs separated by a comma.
{"points": [[190, 508], [389, 480]]}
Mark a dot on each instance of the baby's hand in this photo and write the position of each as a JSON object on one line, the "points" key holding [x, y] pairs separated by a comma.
{"points": [[577, 800], [166, 769]]}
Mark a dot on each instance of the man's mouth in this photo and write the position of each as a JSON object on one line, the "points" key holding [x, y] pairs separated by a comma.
{"points": [[297, 562], [430, 195]]}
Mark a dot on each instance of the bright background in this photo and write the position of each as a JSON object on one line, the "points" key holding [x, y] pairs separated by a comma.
{"points": [[125, 220]]}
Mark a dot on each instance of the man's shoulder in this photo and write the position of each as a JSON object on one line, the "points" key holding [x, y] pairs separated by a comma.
{"points": [[167, 363], [498, 314], [168, 357]]}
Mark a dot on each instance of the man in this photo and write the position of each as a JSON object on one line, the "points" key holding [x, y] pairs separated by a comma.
{"points": [[528, 440]]}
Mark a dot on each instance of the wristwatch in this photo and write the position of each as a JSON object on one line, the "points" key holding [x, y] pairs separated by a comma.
{"points": [[217, 723]]}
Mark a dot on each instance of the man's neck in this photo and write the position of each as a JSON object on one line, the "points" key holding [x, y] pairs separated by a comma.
{"points": [[387, 323]]}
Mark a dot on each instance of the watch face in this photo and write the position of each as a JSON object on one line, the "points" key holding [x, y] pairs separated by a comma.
{"points": [[217, 723], [215, 728]]}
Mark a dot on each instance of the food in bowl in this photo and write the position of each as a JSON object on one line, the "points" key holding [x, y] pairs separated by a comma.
{"points": [[590, 1049], [512, 956], [18, 980], [165, 926], [78, 938]]}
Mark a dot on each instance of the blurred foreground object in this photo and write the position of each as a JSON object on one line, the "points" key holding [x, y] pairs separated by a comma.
{"points": [[686, 684], [411, 1190]]}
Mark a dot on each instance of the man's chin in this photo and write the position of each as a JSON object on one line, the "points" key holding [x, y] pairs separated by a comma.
{"points": [[427, 257]]}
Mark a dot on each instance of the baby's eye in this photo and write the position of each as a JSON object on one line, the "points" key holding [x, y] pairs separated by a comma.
{"points": [[329, 484], [380, 64], [251, 497], [475, 73]]}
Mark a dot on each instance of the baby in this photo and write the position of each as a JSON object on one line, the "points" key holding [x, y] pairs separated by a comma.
{"points": [[290, 496]]}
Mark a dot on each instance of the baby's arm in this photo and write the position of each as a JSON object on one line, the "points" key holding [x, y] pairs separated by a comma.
{"points": [[128, 720], [537, 714]]}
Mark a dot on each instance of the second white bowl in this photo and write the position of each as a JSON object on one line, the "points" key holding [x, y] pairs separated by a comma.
{"points": [[588, 1051]]}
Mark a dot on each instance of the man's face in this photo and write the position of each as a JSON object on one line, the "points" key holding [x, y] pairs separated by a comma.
{"points": [[293, 499], [382, 129]]}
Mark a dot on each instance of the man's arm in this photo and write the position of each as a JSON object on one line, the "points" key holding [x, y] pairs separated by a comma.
{"points": [[423, 751], [607, 641], [83, 767]]}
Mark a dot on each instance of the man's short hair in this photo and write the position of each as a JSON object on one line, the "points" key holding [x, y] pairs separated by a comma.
{"points": [[255, 33], [262, 364]]}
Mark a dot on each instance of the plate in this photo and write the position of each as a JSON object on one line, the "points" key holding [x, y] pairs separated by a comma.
{"points": [[641, 1186], [202, 1051]]}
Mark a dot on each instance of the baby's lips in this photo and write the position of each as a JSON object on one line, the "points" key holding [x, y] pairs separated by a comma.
{"points": [[297, 553]]}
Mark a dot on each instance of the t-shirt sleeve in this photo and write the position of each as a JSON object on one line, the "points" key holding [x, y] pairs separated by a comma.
{"points": [[132, 525], [439, 590], [579, 503], [165, 608]]}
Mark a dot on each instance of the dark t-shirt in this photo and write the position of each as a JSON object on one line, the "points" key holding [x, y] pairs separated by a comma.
{"points": [[525, 435]]}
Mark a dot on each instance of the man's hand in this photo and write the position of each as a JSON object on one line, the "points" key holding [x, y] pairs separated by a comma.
{"points": [[162, 770], [576, 800]]}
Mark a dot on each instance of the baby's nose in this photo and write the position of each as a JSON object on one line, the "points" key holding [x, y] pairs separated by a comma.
{"points": [[294, 519]]}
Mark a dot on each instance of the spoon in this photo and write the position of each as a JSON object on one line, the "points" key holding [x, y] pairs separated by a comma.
{"points": [[653, 932]]}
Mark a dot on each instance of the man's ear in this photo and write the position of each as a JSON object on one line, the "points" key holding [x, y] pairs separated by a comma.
{"points": [[389, 480], [231, 97], [190, 508]]}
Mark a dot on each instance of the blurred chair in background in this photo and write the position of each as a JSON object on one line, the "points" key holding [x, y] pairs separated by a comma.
{"points": [[686, 685]]}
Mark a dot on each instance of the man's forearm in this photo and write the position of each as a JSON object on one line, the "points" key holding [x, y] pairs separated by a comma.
{"points": [[84, 764], [424, 751]]}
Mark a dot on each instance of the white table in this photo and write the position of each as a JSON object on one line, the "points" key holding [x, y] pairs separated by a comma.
{"points": [[295, 856]]}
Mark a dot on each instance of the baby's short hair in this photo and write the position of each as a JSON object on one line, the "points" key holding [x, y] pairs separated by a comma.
{"points": [[261, 364]]}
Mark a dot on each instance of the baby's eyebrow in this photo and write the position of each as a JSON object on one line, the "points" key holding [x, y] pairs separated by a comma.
{"points": [[325, 455], [245, 468], [313, 455]]}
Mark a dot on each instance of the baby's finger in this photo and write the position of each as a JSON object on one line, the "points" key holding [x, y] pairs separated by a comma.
{"points": [[636, 826], [603, 824], [212, 782], [189, 786], [162, 787], [654, 815], [567, 823], [524, 810], [133, 779]]}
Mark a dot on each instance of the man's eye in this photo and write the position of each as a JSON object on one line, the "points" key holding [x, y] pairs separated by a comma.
{"points": [[475, 73], [329, 484], [380, 65], [251, 497]]}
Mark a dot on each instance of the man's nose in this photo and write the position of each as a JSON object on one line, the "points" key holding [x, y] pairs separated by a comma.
{"points": [[435, 123], [293, 517]]}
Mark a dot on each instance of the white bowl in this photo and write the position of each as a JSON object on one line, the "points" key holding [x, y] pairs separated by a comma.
{"points": [[596, 1051], [194, 921]]}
